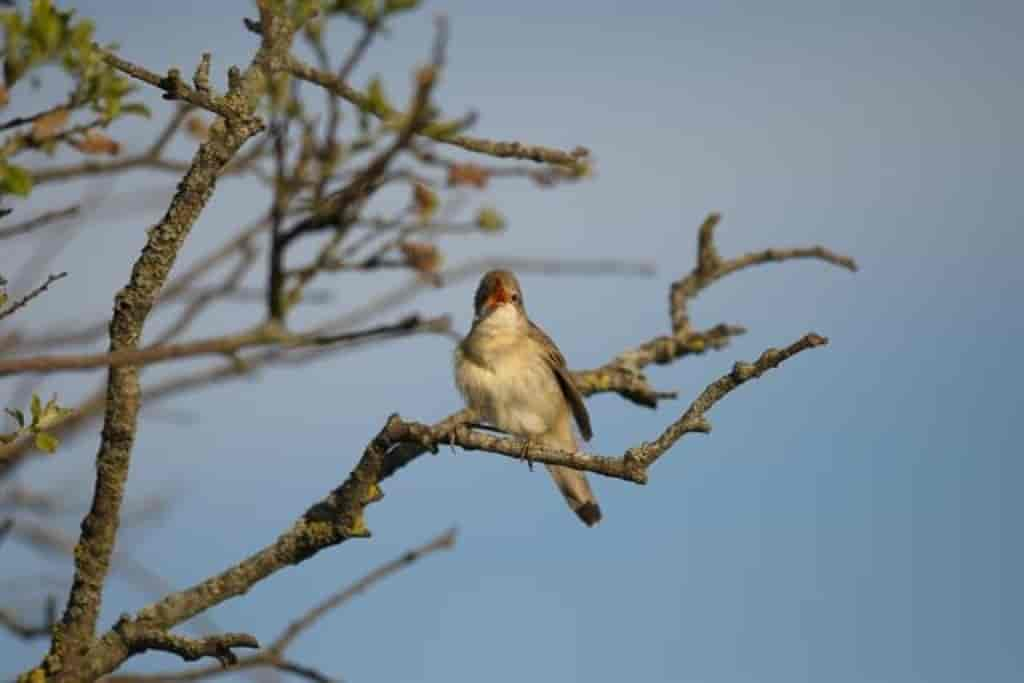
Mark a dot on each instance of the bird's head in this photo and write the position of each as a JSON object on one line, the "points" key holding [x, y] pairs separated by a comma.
{"points": [[499, 293]]}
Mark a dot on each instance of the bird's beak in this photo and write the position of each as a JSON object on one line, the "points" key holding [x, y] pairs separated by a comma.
{"points": [[500, 295]]}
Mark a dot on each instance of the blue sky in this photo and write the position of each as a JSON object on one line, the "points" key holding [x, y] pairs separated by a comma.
{"points": [[853, 517]]}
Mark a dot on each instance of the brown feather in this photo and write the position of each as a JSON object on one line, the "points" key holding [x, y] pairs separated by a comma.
{"points": [[556, 361]]}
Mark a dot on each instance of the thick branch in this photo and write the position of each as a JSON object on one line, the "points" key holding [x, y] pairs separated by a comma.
{"points": [[132, 306], [339, 516]]}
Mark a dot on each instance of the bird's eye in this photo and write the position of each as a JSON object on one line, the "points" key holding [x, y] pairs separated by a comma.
{"points": [[515, 296]]}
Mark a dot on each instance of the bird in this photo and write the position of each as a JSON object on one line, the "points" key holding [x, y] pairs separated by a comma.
{"points": [[513, 377]]}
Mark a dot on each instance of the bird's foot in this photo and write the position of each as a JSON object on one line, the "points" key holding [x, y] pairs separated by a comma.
{"points": [[525, 454]]}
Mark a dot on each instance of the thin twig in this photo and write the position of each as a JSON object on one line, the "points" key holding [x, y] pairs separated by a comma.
{"points": [[23, 301], [440, 132], [444, 541], [710, 268], [223, 345], [39, 221]]}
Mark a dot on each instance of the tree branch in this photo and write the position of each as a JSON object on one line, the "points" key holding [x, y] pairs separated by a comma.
{"points": [[273, 656], [23, 301], [710, 268], [633, 465], [139, 637], [340, 515], [445, 541], [12, 623], [262, 335], [38, 222], [339, 209], [74, 634], [440, 132], [324, 341]]}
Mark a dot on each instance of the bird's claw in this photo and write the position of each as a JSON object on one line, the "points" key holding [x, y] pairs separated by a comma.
{"points": [[525, 454]]}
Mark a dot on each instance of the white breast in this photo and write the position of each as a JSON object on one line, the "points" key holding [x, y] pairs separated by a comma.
{"points": [[508, 383]]}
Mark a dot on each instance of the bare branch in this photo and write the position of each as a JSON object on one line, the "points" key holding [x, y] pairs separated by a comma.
{"points": [[339, 516], [693, 419], [339, 209], [139, 637], [96, 168], [633, 465], [236, 368], [223, 345], [441, 132], [23, 301], [443, 542], [132, 306], [39, 221], [273, 655], [710, 268], [25, 631], [174, 87]]}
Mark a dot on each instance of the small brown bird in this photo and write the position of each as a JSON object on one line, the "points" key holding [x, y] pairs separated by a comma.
{"points": [[515, 378]]}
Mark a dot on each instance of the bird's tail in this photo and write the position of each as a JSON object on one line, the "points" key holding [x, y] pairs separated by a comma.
{"points": [[573, 483]]}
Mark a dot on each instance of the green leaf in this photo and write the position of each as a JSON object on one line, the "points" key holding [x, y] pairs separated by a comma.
{"points": [[36, 408], [15, 180], [3, 298], [112, 107], [80, 37], [394, 6], [136, 109], [47, 442], [8, 437], [45, 26], [51, 414], [376, 99], [16, 415], [367, 9]]}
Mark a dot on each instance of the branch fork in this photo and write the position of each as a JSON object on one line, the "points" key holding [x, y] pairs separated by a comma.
{"points": [[140, 637]]}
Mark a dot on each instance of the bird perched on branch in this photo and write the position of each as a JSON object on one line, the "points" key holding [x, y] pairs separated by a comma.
{"points": [[515, 378]]}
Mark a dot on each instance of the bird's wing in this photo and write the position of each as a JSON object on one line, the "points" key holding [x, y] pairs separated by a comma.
{"points": [[556, 361]]}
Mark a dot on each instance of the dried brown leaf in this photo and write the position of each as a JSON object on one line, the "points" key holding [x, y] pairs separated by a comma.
{"points": [[468, 173], [49, 125], [425, 200], [96, 142], [423, 257]]}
